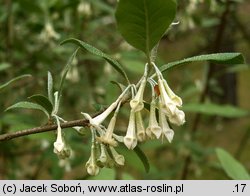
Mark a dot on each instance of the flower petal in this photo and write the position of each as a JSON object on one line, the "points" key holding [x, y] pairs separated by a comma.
{"points": [[178, 118], [177, 100], [169, 134]]}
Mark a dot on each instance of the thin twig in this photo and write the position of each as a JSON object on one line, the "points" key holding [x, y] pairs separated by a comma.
{"points": [[41, 129], [46, 128]]}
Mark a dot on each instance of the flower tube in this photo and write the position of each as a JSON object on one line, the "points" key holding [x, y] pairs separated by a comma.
{"points": [[59, 143], [107, 138], [176, 99], [153, 126], [119, 159], [141, 134], [91, 165], [169, 133], [168, 105], [130, 139], [136, 103]]}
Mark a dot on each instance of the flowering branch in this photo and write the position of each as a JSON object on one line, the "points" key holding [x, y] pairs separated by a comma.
{"points": [[47, 128], [41, 129]]}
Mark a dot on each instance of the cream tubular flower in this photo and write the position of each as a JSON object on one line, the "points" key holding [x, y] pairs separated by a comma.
{"points": [[119, 159], [169, 133], [103, 157], [107, 138], [141, 134], [100, 118], [130, 139], [96, 121], [91, 165], [178, 118], [168, 105], [177, 100], [136, 103], [59, 143], [153, 126]]}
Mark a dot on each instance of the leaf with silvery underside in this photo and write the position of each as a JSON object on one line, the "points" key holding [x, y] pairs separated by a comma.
{"points": [[28, 105], [50, 87], [218, 58], [98, 52]]}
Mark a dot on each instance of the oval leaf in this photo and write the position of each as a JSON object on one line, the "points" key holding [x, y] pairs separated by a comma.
{"points": [[231, 166], [98, 52], [28, 105], [142, 23], [219, 58], [228, 111], [43, 101]]}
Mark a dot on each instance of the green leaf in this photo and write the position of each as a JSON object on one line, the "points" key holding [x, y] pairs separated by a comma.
{"points": [[65, 71], [50, 87], [14, 80], [214, 109], [143, 158], [98, 52], [231, 166], [28, 105], [142, 23], [219, 58], [4, 66], [43, 101]]}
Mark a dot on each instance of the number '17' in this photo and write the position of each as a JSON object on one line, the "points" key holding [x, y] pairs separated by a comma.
{"points": [[240, 187]]}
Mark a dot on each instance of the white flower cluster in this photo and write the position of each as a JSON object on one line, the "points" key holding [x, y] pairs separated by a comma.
{"points": [[104, 140]]}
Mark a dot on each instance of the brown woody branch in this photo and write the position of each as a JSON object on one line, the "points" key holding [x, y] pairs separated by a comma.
{"points": [[41, 129]]}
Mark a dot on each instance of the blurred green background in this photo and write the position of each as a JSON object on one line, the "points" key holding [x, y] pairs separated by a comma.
{"points": [[30, 33]]}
